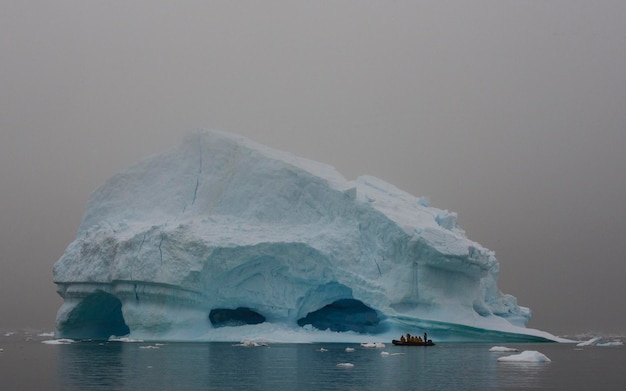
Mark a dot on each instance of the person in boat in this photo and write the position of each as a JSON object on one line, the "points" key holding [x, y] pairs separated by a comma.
{"points": [[425, 337], [419, 339], [402, 338]]}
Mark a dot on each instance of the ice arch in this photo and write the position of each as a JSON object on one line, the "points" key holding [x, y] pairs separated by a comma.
{"points": [[98, 316], [221, 317], [344, 315]]}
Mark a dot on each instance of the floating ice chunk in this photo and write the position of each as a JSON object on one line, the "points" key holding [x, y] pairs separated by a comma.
{"points": [[526, 356], [377, 345], [48, 334], [9, 333], [590, 342], [149, 347], [322, 350], [345, 365], [611, 343], [124, 339], [248, 343], [60, 341], [385, 354], [502, 349], [349, 350]]}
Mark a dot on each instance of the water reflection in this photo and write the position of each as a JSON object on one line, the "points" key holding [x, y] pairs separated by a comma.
{"points": [[521, 374], [221, 366], [87, 366]]}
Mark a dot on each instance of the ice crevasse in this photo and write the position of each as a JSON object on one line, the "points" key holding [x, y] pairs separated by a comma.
{"points": [[221, 236]]}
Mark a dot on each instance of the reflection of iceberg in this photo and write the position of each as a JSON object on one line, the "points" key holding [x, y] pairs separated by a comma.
{"points": [[221, 237]]}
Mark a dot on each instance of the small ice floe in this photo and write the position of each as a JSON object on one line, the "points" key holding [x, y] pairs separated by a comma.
{"points": [[611, 343], [345, 365], [49, 334], [526, 356], [124, 339], [149, 347], [378, 345], [386, 354], [349, 350], [321, 350], [590, 342], [9, 333], [250, 343], [502, 349], [60, 341]]}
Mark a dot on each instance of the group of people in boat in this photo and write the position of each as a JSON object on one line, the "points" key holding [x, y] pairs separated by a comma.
{"points": [[412, 338]]}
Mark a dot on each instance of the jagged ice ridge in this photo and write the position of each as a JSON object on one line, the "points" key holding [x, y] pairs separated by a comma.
{"points": [[222, 238]]}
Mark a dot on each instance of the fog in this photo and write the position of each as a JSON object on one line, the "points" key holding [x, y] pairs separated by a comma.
{"points": [[510, 113]]}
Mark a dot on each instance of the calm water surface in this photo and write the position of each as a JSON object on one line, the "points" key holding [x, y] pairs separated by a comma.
{"points": [[28, 364]]}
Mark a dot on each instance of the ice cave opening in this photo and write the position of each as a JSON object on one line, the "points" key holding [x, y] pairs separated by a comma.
{"points": [[221, 317], [344, 315], [98, 316]]}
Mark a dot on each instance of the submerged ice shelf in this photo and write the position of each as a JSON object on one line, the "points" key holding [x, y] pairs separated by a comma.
{"points": [[221, 235]]}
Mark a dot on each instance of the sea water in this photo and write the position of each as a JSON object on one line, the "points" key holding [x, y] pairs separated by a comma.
{"points": [[28, 364]]}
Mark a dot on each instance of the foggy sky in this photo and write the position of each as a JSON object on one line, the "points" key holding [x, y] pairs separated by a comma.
{"points": [[510, 113]]}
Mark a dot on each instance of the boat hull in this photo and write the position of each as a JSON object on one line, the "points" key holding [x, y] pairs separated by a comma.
{"points": [[411, 343]]}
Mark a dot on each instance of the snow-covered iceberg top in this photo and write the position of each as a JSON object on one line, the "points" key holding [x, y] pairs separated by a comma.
{"points": [[221, 232]]}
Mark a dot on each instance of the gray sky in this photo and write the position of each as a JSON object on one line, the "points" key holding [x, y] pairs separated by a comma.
{"points": [[511, 113]]}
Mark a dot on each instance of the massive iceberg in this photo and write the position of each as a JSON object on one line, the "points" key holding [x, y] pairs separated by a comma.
{"points": [[222, 238]]}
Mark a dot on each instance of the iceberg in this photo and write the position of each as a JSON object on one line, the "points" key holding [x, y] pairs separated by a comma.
{"points": [[221, 238]]}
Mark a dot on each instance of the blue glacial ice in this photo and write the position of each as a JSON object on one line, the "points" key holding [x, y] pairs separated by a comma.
{"points": [[221, 238]]}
